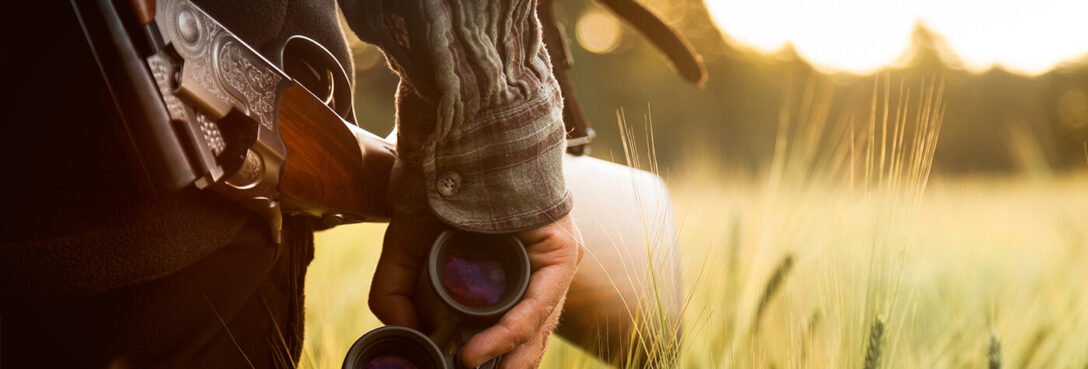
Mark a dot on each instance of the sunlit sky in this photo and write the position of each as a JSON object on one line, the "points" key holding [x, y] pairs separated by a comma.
{"points": [[861, 36]]}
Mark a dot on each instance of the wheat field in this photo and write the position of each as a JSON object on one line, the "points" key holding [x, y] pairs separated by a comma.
{"points": [[845, 252]]}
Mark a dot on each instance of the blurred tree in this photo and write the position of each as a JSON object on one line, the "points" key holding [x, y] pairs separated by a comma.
{"points": [[732, 119]]}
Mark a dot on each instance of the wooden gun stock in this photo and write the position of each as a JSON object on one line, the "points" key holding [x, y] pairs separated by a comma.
{"points": [[144, 10], [332, 167]]}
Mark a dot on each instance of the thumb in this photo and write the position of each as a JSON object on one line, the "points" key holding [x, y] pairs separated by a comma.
{"points": [[394, 282]]}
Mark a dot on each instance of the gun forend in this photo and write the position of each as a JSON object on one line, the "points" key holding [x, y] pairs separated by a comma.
{"points": [[332, 167]]}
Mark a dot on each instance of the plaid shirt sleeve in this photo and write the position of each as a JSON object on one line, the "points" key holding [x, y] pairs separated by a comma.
{"points": [[479, 114]]}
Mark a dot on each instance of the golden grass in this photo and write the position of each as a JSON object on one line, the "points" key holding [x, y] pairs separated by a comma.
{"points": [[942, 262], [1001, 254]]}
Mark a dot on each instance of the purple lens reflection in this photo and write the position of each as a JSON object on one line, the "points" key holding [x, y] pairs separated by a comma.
{"points": [[390, 362], [472, 278]]}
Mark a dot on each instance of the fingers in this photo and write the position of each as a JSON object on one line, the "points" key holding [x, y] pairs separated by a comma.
{"points": [[563, 229], [554, 243], [521, 322], [554, 254], [529, 354], [398, 269]]}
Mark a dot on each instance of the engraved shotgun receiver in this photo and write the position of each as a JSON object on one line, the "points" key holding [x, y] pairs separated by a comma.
{"points": [[204, 109]]}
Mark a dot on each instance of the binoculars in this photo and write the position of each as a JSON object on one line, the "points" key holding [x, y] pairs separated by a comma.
{"points": [[467, 283]]}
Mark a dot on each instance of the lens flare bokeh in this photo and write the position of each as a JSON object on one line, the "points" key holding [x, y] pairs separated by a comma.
{"points": [[390, 362], [472, 277]]}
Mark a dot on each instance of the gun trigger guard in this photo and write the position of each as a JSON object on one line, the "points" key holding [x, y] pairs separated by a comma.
{"points": [[271, 211], [275, 221]]}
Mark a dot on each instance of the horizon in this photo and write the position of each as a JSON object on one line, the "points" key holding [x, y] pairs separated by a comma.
{"points": [[980, 34]]}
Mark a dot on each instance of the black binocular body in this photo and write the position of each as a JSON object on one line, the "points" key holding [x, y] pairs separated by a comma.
{"points": [[467, 283]]}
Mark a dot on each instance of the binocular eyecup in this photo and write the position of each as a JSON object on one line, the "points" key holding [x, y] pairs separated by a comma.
{"points": [[467, 283], [393, 347]]}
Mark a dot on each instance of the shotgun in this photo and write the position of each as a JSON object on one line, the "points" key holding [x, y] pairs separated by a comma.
{"points": [[203, 109]]}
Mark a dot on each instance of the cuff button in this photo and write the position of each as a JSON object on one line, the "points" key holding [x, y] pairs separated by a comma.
{"points": [[448, 184]]}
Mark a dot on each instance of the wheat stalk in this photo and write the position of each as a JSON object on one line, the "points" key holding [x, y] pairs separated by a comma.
{"points": [[993, 352], [771, 288], [876, 340]]}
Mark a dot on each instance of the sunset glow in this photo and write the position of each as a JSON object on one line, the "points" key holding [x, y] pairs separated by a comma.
{"points": [[862, 36]]}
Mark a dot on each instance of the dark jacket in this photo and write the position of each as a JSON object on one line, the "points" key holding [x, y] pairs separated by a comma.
{"points": [[75, 221]]}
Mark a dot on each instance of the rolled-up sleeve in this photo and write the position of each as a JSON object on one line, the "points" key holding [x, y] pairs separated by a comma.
{"points": [[479, 114]]}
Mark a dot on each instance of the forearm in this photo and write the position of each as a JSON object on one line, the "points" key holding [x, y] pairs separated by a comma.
{"points": [[481, 136]]}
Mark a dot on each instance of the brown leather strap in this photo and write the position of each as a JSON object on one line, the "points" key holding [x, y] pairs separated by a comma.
{"points": [[687, 62], [675, 47], [559, 50]]}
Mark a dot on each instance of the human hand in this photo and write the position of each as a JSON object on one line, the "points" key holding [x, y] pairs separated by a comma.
{"points": [[555, 250]]}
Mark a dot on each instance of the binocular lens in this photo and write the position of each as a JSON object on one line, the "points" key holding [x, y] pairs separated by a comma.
{"points": [[468, 282], [472, 277], [478, 275], [392, 347], [390, 362]]}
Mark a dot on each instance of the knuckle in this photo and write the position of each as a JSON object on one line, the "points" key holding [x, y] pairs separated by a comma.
{"points": [[541, 309], [542, 318], [520, 339], [374, 303], [542, 344], [523, 333], [518, 333], [516, 337], [374, 300], [544, 333]]}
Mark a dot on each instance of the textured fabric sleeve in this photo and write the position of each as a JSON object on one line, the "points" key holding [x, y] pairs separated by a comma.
{"points": [[479, 114]]}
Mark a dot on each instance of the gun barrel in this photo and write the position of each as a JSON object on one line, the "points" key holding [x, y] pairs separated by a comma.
{"points": [[144, 117]]}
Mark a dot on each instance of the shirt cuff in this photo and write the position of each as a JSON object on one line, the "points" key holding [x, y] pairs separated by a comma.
{"points": [[501, 173]]}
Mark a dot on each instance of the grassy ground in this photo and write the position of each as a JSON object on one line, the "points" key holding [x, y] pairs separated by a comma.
{"points": [[976, 256], [1006, 255], [843, 254]]}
